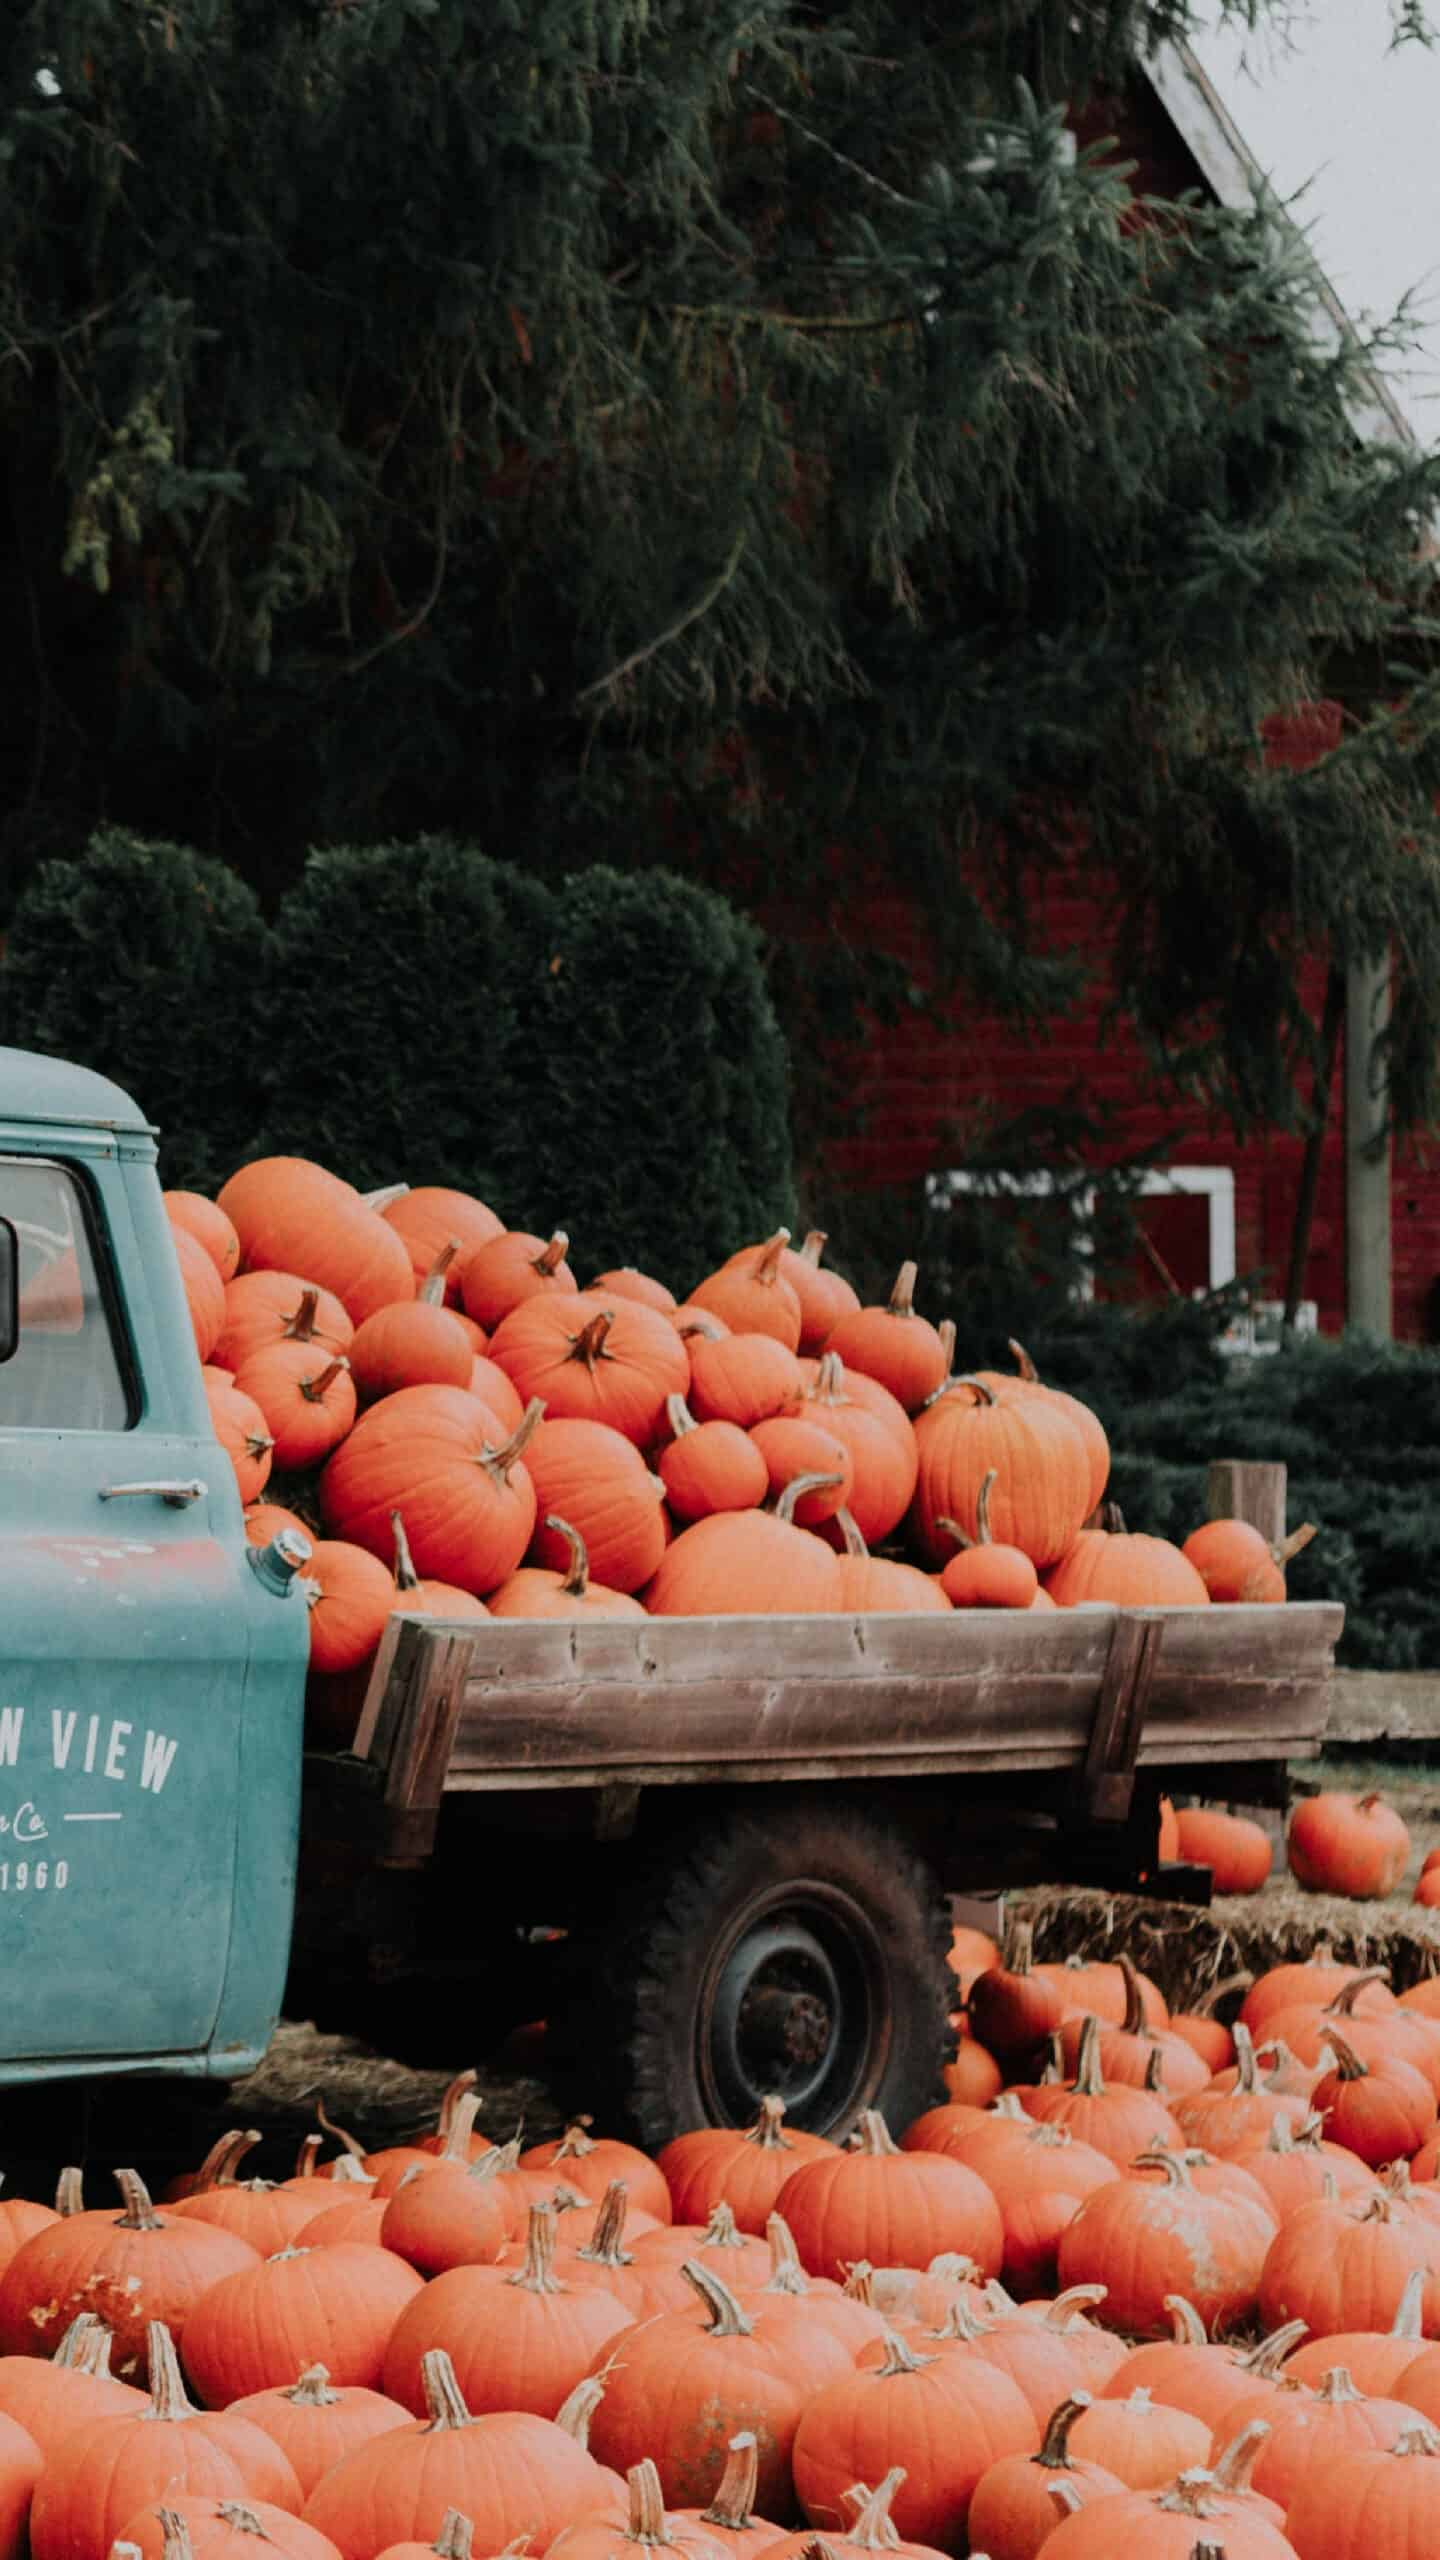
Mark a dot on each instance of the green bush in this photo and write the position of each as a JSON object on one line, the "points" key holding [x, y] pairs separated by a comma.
{"points": [[602, 1055], [148, 963]]}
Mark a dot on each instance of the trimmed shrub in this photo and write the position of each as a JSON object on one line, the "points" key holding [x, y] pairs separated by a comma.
{"points": [[148, 963]]}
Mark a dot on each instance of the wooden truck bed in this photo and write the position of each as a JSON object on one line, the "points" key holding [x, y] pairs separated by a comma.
{"points": [[504, 1707]]}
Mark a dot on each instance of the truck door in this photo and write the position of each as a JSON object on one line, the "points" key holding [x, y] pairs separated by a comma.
{"points": [[123, 1645]]}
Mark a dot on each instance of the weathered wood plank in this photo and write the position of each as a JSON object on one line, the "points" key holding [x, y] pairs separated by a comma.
{"points": [[1251, 1489], [1384, 1706], [1120, 1713]]}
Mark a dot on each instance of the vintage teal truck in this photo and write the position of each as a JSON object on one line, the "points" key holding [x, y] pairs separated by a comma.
{"points": [[714, 1851]]}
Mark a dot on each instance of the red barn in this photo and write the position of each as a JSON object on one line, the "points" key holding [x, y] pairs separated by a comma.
{"points": [[1215, 1209]]}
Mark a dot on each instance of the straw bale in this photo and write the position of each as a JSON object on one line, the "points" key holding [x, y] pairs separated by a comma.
{"points": [[1186, 1951]]}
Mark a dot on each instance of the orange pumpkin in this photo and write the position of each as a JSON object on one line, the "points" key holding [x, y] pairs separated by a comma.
{"points": [[709, 1466], [985, 1574], [892, 2207], [942, 2420], [627, 1282], [431, 1453], [265, 1307], [745, 1563], [1125, 1568], [894, 1344], [208, 1224], [876, 1431], [133, 2270], [1039, 1460], [500, 1275], [314, 2424], [1237, 1852], [1146, 2243], [416, 1344], [199, 2528], [349, 1595], [744, 2168], [751, 1294], [533, 1592], [742, 1378], [1011, 2514], [1354, 1845], [792, 1445], [269, 2217], [518, 2338], [431, 1217], [239, 1426], [824, 1296], [204, 1291], [598, 1480], [594, 1359], [307, 1396]]}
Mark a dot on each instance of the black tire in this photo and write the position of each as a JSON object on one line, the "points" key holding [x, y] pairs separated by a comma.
{"points": [[797, 1949]]}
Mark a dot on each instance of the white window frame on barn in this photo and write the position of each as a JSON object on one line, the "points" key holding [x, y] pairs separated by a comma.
{"points": [[1255, 1331]]}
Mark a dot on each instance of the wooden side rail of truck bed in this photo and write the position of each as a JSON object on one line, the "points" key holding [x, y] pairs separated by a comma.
{"points": [[515, 1707]]}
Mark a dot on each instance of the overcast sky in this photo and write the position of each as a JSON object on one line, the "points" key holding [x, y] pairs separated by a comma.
{"points": [[1333, 112]]}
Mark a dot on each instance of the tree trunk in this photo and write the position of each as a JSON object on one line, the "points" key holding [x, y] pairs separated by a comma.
{"points": [[1331, 1024]]}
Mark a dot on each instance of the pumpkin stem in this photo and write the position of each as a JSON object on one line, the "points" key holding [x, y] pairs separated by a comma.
{"points": [[1174, 2165], [301, 1326], [768, 2130], [1336, 2386], [431, 1292], [1064, 2497], [315, 1390], [456, 2537], [219, 2165], [1088, 2080], [498, 1462], [242, 2518], [574, 1586], [1189, 2494], [899, 2358], [960, 2322], [1234, 2463], [735, 2497], [1206, 2006], [786, 2273], [1418, 2438], [983, 1536], [70, 2193], [870, 2527], [1024, 1365], [902, 1296], [455, 2090], [646, 2522], [167, 2391], [1348, 2065], [547, 1262], [982, 1393], [679, 1417], [796, 1490], [1154, 2079], [1067, 2307], [1293, 1545], [313, 2391], [75, 2343], [175, 2535], [444, 2401], [873, 2136], [946, 1330], [813, 1247], [1187, 2329], [537, 2275], [578, 2408], [589, 1344], [1054, 2453], [1247, 2078], [727, 2320], [1343, 2004], [1133, 2022], [851, 1532], [767, 1269], [460, 2125], [953, 1530], [722, 2231], [338, 2134], [1266, 2359], [604, 2247], [307, 2155], [139, 2213], [859, 2284], [1406, 2323]]}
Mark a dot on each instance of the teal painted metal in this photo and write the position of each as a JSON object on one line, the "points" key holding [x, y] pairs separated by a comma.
{"points": [[151, 1686]]}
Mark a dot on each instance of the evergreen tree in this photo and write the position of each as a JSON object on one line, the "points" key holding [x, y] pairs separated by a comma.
{"points": [[719, 432]]}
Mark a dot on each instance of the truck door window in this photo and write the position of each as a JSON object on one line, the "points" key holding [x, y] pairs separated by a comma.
{"points": [[67, 1372]]}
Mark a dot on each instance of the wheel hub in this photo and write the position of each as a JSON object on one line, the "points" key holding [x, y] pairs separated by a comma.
{"points": [[790, 2006]]}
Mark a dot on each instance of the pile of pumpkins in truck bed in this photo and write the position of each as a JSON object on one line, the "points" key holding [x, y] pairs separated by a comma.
{"points": [[1171, 2295], [471, 1427]]}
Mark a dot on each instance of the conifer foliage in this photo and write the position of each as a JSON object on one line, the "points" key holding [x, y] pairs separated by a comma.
{"points": [[729, 433]]}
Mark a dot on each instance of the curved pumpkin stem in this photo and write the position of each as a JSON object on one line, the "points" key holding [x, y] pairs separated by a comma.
{"points": [[167, 2392], [786, 2273], [1089, 2080], [734, 2499], [1266, 2360], [588, 1345], [220, 2163], [796, 1490], [139, 2213], [431, 1292], [457, 2124], [1343, 2004], [1054, 2453], [574, 1586], [1348, 2064], [498, 1462], [578, 2408], [871, 2528], [679, 1417], [899, 2358], [1209, 2001], [813, 1247], [1233, 2465], [872, 2136], [902, 1297], [444, 2400], [547, 1262], [338, 2134], [307, 2155], [1187, 2329], [315, 1389], [1421, 2437], [1024, 1366], [850, 1531], [727, 2320], [1069, 2307], [1287, 1549]]}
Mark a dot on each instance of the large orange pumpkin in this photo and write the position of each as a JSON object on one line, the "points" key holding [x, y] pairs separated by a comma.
{"points": [[1041, 1466], [517, 2337], [314, 2424], [746, 1563], [751, 1294], [431, 1217], [598, 1480], [1148, 2243], [894, 1344], [896, 2208], [201, 2528], [942, 2420], [742, 2167], [133, 2271], [1355, 1845], [432, 1453], [500, 1275], [335, 2307], [415, 1344], [594, 1359], [1126, 1568]]}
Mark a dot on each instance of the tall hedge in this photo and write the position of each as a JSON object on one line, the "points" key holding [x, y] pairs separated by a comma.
{"points": [[149, 963], [602, 1056]]}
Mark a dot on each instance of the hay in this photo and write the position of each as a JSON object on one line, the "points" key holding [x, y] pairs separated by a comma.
{"points": [[380, 2102], [1187, 1951]]}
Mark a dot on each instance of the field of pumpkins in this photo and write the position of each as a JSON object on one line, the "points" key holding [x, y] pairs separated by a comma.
{"points": [[1171, 2292], [470, 1430]]}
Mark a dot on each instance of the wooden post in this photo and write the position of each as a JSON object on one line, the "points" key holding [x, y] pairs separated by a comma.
{"points": [[1369, 1305], [1250, 1489]]}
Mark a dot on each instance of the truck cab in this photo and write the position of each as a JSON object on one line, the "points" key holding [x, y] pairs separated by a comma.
{"points": [[151, 1679]]}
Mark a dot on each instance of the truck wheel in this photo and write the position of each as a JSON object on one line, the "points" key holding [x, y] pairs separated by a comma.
{"points": [[799, 1952]]}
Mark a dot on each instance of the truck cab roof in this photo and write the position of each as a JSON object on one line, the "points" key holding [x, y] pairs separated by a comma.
{"points": [[56, 1093]]}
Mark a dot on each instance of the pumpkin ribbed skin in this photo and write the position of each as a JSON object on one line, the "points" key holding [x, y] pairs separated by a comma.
{"points": [[895, 2208], [195, 1216], [313, 2423], [1237, 1852], [518, 2338], [447, 2216], [710, 1466], [742, 1563], [1313, 1984], [1040, 2177], [1345, 2265], [1010, 2513], [1041, 1492], [1146, 2243], [354, 1595], [593, 1358], [894, 1344], [1311, 2432], [1128, 1569], [304, 1219], [943, 2422], [596, 1479], [204, 1291], [512, 2474], [432, 1454], [335, 2307], [500, 1275], [743, 1378], [430, 1217], [1227, 1555], [240, 1427], [744, 2169], [793, 1446], [824, 1296], [1370, 2506], [1353, 1845], [416, 1345], [130, 2269], [264, 1307], [220, 2529]]}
